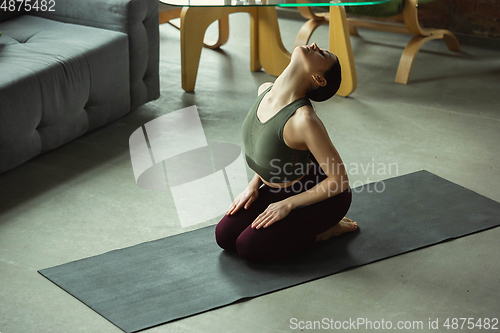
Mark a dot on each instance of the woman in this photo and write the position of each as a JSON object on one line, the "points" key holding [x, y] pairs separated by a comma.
{"points": [[300, 192]]}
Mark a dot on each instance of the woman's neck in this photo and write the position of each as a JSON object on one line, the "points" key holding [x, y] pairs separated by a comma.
{"points": [[291, 85]]}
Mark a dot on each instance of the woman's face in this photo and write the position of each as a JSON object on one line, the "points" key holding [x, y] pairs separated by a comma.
{"points": [[315, 60]]}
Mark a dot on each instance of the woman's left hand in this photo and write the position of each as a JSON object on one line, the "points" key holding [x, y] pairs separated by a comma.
{"points": [[273, 213]]}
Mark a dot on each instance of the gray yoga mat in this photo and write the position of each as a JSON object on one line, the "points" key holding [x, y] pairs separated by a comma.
{"points": [[160, 281]]}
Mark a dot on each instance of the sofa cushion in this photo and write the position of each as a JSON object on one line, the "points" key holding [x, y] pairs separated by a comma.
{"points": [[58, 81], [138, 19]]}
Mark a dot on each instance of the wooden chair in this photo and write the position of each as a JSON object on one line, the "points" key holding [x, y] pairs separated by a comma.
{"points": [[168, 13], [409, 9]]}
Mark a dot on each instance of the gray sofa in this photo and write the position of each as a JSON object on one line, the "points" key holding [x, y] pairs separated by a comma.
{"points": [[68, 71]]}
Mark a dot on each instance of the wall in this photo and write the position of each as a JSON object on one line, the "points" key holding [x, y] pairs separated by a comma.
{"points": [[468, 17]]}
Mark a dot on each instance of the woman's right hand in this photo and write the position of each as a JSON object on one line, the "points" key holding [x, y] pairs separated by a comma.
{"points": [[245, 199]]}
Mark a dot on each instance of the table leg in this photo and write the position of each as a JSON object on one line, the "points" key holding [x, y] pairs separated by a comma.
{"points": [[340, 45], [223, 34], [194, 23], [255, 64], [266, 51], [272, 54]]}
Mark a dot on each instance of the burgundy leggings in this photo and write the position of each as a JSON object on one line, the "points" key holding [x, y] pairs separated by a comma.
{"points": [[297, 231]]}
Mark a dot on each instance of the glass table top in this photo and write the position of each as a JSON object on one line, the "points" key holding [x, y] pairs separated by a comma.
{"points": [[276, 3]]}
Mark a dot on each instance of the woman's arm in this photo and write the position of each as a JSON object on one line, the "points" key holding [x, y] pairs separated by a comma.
{"points": [[255, 182], [310, 129], [251, 193], [246, 197]]}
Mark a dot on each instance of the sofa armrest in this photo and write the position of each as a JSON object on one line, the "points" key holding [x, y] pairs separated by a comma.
{"points": [[136, 18]]}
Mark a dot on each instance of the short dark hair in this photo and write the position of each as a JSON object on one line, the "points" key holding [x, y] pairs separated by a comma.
{"points": [[333, 77]]}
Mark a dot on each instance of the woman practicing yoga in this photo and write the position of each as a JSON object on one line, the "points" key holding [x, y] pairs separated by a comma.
{"points": [[300, 192]]}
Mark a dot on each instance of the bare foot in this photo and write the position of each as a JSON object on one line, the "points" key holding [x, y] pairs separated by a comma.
{"points": [[345, 225]]}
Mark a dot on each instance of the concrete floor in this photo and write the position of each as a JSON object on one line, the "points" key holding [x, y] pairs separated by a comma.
{"points": [[81, 199]]}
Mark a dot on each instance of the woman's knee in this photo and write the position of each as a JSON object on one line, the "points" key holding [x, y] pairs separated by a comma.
{"points": [[249, 248], [223, 236]]}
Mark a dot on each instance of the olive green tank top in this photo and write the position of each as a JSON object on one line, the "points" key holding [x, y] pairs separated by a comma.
{"points": [[265, 149]]}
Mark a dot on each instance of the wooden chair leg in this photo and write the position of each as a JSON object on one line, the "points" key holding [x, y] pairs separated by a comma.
{"points": [[410, 15], [354, 24], [353, 30], [409, 54], [412, 26], [451, 41], [314, 21], [307, 30]]}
